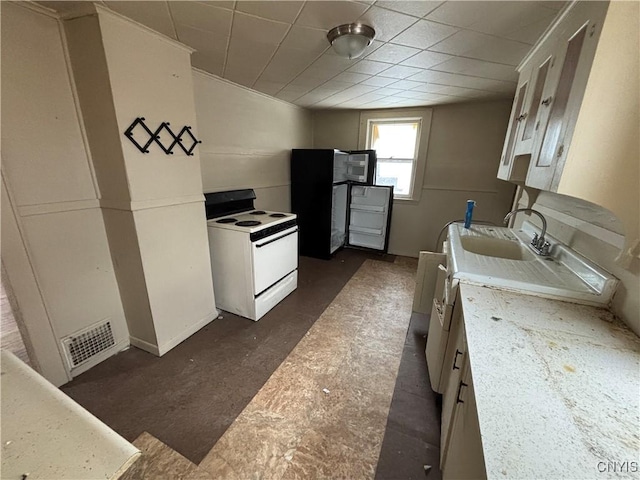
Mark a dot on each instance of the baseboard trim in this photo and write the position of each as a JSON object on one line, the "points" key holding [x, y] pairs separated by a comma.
{"points": [[146, 346], [165, 347]]}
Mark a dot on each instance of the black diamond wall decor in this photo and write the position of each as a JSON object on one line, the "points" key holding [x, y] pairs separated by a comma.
{"points": [[163, 136]]}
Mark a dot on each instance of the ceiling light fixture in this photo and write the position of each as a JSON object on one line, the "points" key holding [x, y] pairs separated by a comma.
{"points": [[351, 40]]}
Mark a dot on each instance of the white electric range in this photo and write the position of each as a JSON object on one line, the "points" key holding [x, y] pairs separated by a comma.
{"points": [[254, 253]]}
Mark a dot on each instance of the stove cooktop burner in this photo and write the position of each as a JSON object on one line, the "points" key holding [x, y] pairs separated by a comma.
{"points": [[278, 215], [227, 220], [257, 212], [248, 223]]}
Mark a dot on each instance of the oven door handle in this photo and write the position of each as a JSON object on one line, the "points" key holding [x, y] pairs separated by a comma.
{"points": [[276, 239]]}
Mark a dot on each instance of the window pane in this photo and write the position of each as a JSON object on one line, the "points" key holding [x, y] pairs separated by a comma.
{"points": [[397, 174], [394, 140]]}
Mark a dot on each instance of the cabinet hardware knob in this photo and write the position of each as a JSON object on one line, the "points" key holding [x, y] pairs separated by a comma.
{"points": [[522, 117], [547, 101], [462, 384], [537, 125], [560, 151], [455, 359]]}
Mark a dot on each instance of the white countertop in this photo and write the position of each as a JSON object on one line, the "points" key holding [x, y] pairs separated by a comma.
{"points": [[557, 386], [47, 435]]}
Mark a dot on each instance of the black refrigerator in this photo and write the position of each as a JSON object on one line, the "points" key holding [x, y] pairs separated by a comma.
{"points": [[337, 204]]}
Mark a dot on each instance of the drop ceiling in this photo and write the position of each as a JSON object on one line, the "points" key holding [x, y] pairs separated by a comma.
{"points": [[424, 52]]}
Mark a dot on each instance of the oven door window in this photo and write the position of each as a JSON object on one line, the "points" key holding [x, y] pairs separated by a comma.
{"points": [[274, 257]]}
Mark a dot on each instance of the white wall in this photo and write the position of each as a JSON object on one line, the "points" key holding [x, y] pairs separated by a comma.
{"points": [[462, 158], [247, 139], [65, 280], [154, 208]]}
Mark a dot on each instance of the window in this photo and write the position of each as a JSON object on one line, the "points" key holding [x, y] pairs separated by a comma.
{"points": [[401, 140], [396, 144]]}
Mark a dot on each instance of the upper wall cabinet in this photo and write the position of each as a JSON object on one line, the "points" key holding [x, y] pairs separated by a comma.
{"points": [[575, 123]]}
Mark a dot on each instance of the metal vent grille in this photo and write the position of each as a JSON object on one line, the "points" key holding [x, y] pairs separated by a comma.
{"points": [[80, 348]]}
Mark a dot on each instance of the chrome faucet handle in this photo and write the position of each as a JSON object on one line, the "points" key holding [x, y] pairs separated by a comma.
{"points": [[534, 240], [544, 250]]}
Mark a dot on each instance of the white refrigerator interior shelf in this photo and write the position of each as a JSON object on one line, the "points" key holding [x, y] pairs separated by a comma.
{"points": [[45, 434], [366, 240], [368, 208], [501, 257], [368, 216]]}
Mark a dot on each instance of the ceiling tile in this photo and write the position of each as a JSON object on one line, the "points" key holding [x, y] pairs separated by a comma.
{"points": [[452, 91], [461, 13], [229, 5], [335, 86], [457, 80], [258, 29], [369, 67], [314, 96], [400, 71], [154, 15], [411, 94], [270, 88], [297, 89], [202, 17], [212, 62], [427, 59], [368, 97], [352, 77], [351, 92], [206, 43], [286, 64], [386, 23], [424, 34], [478, 68], [378, 81], [529, 34], [307, 82], [511, 17], [288, 96], [316, 73], [306, 38], [246, 59], [416, 8], [429, 88], [405, 84], [333, 62], [242, 74], [484, 47], [501, 18], [391, 53], [391, 91], [272, 10], [326, 15]]}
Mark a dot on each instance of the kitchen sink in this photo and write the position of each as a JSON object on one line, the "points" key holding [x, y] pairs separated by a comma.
{"points": [[496, 247], [501, 257]]}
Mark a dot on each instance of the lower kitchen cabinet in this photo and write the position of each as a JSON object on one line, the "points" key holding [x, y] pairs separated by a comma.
{"points": [[465, 458], [461, 455]]}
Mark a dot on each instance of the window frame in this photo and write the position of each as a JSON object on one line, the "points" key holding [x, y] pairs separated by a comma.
{"points": [[425, 116], [414, 161]]}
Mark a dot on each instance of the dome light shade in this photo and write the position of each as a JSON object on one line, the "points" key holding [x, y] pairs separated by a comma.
{"points": [[351, 40]]}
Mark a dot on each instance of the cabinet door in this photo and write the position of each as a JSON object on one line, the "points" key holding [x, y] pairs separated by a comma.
{"points": [[465, 457], [541, 70], [562, 96], [506, 169], [452, 371], [428, 263]]}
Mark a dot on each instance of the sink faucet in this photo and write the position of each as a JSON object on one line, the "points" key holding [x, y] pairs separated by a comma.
{"points": [[538, 243]]}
